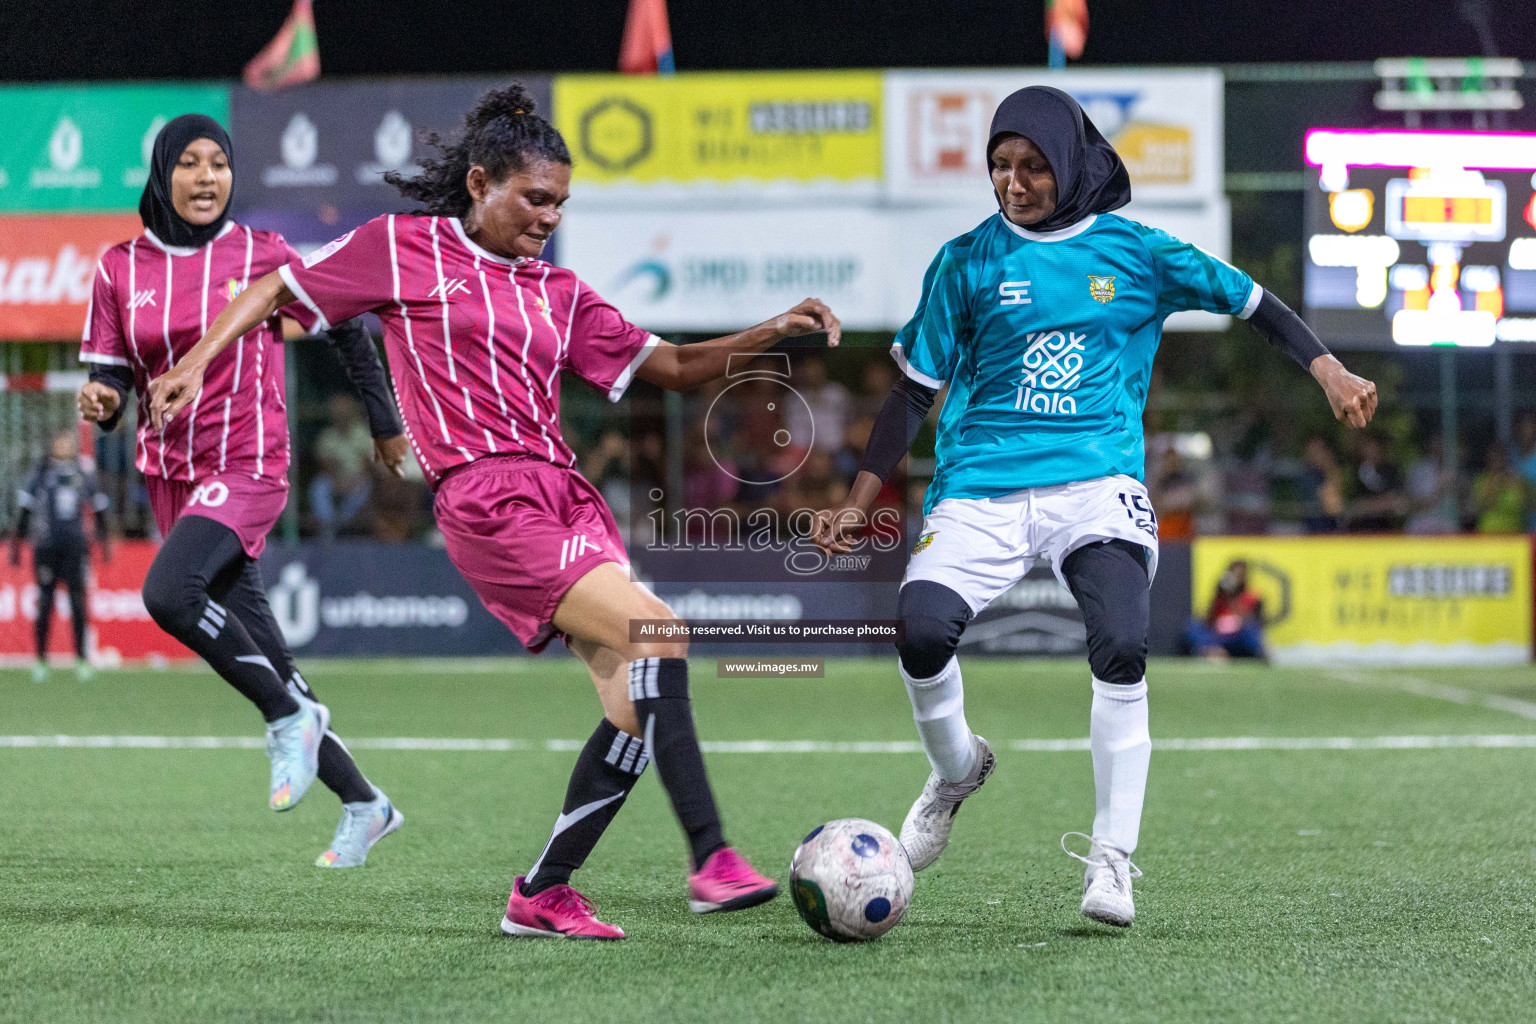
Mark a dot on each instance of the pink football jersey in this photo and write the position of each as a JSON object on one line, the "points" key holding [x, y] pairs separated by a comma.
{"points": [[150, 303], [476, 341]]}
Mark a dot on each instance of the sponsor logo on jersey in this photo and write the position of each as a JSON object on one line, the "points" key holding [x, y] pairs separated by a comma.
{"points": [[1053, 366], [446, 289], [327, 249], [142, 298], [1101, 288], [1014, 293]]}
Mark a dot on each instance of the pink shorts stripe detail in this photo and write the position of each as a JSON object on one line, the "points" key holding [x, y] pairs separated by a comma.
{"points": [[521, 531]]}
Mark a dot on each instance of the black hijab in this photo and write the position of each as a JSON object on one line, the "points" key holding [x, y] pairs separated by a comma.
{"points": [[155, 207], [1090, 178]]}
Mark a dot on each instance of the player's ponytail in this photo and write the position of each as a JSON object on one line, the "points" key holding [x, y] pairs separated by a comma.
{"points": [[503, 134]]}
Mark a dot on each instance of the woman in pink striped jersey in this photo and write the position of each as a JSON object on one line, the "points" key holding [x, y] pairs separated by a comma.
{"points": [[218, 476], [478, 329]]}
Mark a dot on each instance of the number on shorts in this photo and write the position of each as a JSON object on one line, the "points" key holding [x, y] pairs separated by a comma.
{"points": [[1139, 509], [212, 495]]}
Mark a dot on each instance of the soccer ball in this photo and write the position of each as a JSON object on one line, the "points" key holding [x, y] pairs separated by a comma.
{"points": [[851, 880]]}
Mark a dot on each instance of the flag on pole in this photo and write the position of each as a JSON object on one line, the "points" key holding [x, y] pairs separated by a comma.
{"points": [[1066, 28], [293, 55], [647, 48]]}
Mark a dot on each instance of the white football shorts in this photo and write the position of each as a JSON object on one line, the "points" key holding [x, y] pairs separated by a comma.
{"points": [[979, 547]]}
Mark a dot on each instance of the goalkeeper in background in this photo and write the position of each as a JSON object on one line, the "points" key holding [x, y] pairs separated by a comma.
{"points": [[52, 506]]}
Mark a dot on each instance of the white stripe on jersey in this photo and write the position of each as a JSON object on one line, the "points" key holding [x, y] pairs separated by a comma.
{"points": [[203, 321], [410, 341], [224, 441], [133, 340], [533, 397], [261, 429], [490, 349], [170, 359], [442, 290]]}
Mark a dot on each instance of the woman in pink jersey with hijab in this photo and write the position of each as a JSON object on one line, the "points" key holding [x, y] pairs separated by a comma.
{"points": [[478, 330], [218, 476]]}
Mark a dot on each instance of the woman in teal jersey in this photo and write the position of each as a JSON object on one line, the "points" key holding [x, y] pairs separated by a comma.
{"points": [[1043, 322]]}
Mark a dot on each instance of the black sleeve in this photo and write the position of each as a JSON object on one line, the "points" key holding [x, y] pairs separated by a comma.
{"points": [[1283, 329], [360, 359], [23, 524], [119, 379], [901, 417]]}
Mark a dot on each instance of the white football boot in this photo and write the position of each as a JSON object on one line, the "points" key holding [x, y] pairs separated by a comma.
{"points": [[925, 833], [1106, 883]]}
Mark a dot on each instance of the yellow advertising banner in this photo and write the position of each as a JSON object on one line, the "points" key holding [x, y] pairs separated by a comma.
{"points": [[1391, 600], [748, 128]]}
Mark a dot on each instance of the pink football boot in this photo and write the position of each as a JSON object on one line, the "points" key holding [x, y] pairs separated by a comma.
{"points": [[727, 882], [558, 912]]}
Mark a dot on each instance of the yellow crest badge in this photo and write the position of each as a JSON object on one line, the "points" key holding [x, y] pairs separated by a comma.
{"points": [[923, 542], [1101, 288]]}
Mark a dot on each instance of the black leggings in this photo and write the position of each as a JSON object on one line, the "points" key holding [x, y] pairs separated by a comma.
{"points": [[204, 590], [1110, 582], [54, 565]]}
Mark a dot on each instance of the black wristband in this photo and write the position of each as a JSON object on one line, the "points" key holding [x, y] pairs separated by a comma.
{"points": [[1285, 330], [896, 427], [119, 379]]}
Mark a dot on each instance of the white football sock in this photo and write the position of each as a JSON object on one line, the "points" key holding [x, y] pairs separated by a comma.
{"points": [[938, 707], [1122, 748]]}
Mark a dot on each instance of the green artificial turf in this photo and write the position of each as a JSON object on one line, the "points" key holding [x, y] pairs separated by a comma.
{"points": [[1281, 885]]}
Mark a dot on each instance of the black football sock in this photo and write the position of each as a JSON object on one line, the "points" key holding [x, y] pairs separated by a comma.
{"points": [[607, 769], [659, 689], [247, 597]]}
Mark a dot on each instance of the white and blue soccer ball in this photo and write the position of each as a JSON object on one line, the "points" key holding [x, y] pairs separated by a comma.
{"points": [[851, 880]]}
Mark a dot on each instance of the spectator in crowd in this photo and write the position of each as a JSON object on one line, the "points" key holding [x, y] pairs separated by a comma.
{"points": [[1322, 488], [1245, 486], [1428, 486], [1378, 501], [606, 465], [1174, 497], [1525, 460], [342, 484], [1234, 624], [876, 380], [826, 409], [1501, 497]]}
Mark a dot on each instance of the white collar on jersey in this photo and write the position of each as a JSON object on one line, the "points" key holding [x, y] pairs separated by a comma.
{"points": [[1060, 234], [188, 250], [469, 244]]}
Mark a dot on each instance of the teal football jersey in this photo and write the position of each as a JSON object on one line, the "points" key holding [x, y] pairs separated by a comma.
{"points": [[1046, 341]]}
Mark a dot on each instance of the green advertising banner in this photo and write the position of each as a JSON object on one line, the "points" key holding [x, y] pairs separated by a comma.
{"points": [[87, 147]]}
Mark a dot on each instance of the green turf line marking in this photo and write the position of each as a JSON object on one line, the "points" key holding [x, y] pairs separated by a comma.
{"points": [[1424, 688]]}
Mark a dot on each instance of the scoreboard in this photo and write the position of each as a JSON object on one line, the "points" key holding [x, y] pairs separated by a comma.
{"points": [[1421, 238]]}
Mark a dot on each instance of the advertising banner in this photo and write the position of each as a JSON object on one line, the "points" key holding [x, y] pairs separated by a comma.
{"points": [[378, 600], [1383, 600], [697, 133], [47, 265], [121, 629], [722, 270], [319, 152], [87, 147], [1166, 126]]}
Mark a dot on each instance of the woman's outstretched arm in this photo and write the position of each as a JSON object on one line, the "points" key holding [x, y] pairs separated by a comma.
{"points": [[174, 389]]}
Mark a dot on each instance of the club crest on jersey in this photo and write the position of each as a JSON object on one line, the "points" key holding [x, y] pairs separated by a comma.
{"points": [[923, 541], [233, 288], [1101, 288]]}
